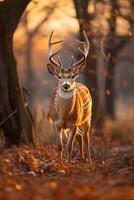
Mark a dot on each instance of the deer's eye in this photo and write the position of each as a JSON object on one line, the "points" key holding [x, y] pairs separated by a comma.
{"points": [[59, 77], [73, 76]]}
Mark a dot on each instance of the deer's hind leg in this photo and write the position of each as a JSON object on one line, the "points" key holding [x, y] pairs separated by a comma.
{"points": [[87, 146], [86, 135]]}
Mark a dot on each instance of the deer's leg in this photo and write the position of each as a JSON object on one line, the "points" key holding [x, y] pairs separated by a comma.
{"points": [[70, 143], [58, 133], [87, 145], [81, 145]]}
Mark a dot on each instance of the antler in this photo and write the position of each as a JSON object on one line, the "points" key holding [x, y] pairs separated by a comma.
{"points": [[50, 54], [84, 52]]}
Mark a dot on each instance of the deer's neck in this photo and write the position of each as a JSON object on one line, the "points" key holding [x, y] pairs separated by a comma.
{"points": [[65, 103]]}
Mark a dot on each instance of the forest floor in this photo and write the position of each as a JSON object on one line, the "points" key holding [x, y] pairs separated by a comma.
{"points": [[32, 173]]}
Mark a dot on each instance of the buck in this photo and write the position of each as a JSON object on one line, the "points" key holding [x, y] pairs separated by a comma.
{"points": [[71, 104]]}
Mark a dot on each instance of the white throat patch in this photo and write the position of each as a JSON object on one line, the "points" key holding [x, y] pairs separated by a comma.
{"points": [[66, 95]]}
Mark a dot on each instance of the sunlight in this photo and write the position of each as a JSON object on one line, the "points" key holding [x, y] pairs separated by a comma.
{"points": [[54, 24], [122, 26], [66, 99], [61, 19]]}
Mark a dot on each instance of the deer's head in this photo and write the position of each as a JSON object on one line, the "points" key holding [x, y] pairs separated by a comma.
{"points": [[67, 76]]}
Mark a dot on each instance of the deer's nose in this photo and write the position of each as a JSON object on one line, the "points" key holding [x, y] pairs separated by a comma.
{"points": [[66, 86]]}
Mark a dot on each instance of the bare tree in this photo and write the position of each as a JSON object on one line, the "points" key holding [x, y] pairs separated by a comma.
{"points": [[115, 45], [19, 126], [30, 34], [85, 18]]}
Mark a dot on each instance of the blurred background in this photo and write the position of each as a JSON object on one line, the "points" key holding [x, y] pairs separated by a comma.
{"points": [[109, 74]]}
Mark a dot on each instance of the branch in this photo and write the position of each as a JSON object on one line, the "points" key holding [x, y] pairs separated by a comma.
{"points": [[103, 53], [35, 1], [26, 92], [8, 117], [49, 11], [114, 51]]}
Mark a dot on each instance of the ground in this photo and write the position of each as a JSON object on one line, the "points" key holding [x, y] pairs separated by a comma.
{"points": [[36, 173]]}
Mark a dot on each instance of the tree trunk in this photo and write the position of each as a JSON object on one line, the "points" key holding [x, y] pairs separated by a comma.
{"points": [[29, 70], [90, 75], [28, 58], [19, 127], [109, 86], [110, 89]]}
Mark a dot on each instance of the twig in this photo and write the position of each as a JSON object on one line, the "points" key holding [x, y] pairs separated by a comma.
{"points": [[106, 57], [9, 116], [26, 92], [35, 1]]}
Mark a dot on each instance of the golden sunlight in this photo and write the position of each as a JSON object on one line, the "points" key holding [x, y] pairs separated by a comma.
{"points": [[60, 18]]}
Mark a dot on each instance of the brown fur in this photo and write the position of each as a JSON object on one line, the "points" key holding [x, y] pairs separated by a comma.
{"points": [[72, 112], [71, 102]]}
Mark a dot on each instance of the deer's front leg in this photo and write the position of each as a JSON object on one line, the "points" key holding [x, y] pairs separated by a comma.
{"points": [[70, 142], [81, 145], [58, 133]]}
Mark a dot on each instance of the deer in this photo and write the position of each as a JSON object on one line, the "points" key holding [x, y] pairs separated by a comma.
{"points": [[71, 102]]}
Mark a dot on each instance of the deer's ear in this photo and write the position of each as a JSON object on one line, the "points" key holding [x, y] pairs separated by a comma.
{"points": [[79, 69], [53, 70]]}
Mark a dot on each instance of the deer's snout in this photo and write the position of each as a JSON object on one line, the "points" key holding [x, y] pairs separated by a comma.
{"points": [[66, 86]]}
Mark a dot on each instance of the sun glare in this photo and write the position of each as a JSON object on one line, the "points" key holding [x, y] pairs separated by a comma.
{"points": [[62, 20]]}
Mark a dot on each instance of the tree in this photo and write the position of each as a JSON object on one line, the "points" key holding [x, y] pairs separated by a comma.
{"points": [[85, 18], [115, 45], [30, 34], [109, 86], [19, 126]]}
